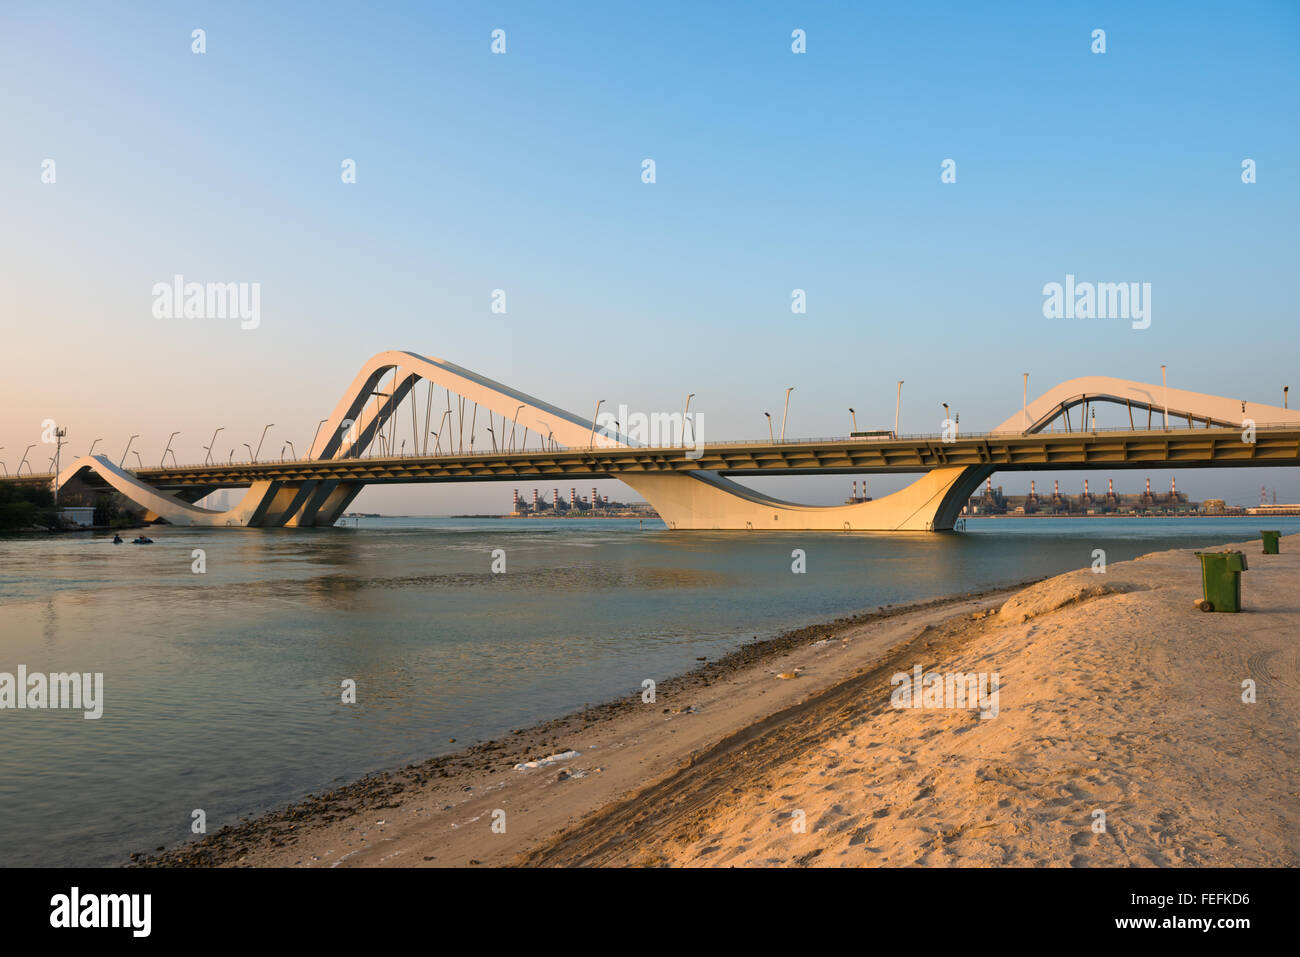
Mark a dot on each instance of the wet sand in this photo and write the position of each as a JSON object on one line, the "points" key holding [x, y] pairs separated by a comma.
{"points": [[1115, 697]]}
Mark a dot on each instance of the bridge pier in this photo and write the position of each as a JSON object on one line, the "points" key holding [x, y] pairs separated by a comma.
{"points": [[706, 500]]}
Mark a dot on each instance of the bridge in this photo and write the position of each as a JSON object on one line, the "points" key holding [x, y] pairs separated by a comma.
{"points": [[687, 483]]}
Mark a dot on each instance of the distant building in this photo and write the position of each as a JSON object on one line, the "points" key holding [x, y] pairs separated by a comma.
{"points": [[84, 517]]}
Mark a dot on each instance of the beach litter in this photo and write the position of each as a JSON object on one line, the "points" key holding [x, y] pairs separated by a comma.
{"points": [[542, 762]]}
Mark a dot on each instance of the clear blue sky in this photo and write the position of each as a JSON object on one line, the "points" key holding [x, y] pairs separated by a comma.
{"points": [[775, 171]]}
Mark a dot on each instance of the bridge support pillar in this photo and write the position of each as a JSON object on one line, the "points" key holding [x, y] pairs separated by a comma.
{"points": [[706, 500]]}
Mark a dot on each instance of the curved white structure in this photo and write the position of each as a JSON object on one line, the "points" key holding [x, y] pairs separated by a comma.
{"points": [[685, 500], [1178, 403]]}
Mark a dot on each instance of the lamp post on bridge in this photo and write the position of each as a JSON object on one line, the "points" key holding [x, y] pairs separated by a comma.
{"points": [[58, 450], [315, 435], [514, 420], [591, 444], [786, 413], [19, 470], [771, 436], [855, 418], [210, 446], [1164, 387], [437, 435], [947, 416], [2, 465], [686, 417], [1026, 400], [494, 438], [260, 441], [162, 463], [898, 403], [251, 457], [127, 449], [92, 447], [289, 443], [1285, 390]]}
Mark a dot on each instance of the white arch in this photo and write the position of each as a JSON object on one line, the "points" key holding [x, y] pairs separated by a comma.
{"points": [[252, 508], [356, 406], [1181, 403]]}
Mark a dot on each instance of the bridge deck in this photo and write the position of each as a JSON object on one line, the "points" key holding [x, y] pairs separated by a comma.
{"points": [[1117, 449]]}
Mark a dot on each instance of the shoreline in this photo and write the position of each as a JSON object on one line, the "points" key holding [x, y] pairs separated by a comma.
{"points": [[1117, 699], [269, 830]]}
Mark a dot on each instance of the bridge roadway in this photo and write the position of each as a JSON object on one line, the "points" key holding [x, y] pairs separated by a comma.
{"points": [[1042, 451]]}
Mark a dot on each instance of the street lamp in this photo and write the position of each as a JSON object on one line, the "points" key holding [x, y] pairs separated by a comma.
{"points": [[491, 433], [514, 421], [786, 412], [855, 418], [251, 456], [315, 435], [19, 470], [127, 449], [260, 441], [92, 447], [592, 443], [898, 403], [210, 446], [771, 437], [685, 417], [58, 450], [139, 461], [1165, 389], [947, 417], [438, 446], [1285, 390], [162, 463], [289, 443], [1026, 401]]}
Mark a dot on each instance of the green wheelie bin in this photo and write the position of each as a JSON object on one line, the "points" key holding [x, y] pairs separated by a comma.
{"points": [[1270, 541], [1221, 580]]}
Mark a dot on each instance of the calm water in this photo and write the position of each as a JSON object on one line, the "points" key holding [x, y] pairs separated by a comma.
{"points": [[222, 689]]}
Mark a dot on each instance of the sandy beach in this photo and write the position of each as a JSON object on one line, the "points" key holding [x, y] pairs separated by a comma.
{"points": [[1112, 732]]}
